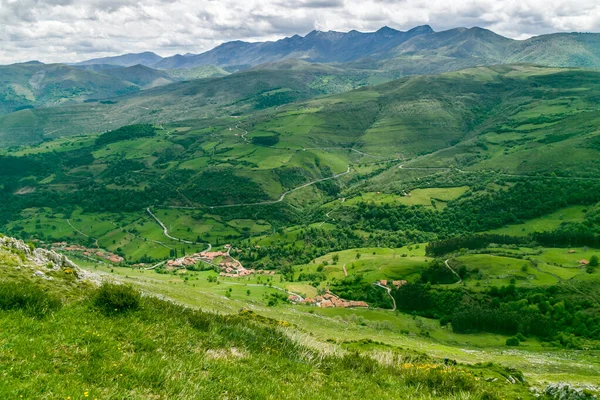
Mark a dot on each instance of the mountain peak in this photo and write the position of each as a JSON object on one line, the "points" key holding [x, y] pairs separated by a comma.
{"points": [[422, 29], [386, 29]]}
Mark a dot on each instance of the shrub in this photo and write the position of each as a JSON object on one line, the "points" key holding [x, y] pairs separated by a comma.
{"points": [[111, 298], [513, 341], [27, 297], [199, 320]]}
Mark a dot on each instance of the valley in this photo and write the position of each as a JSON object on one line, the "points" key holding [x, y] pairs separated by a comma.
{"points": [[383, 232]]}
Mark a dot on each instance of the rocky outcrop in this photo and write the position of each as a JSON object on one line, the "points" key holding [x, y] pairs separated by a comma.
{"points": [[42, 261], [565, 391]]}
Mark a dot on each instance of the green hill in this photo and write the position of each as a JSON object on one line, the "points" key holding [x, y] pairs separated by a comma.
{"points": [[140, 75], [236, 94], [200, 72], [35, 84]]}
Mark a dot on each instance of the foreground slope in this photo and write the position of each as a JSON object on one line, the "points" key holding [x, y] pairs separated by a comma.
{"points": [[68, 339]]}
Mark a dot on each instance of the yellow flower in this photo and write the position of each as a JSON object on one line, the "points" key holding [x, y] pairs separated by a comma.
{"points": [[86, 394]]}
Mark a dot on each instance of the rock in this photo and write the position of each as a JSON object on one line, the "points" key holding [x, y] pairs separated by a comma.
{"points": [[41, 274], [564, 391], [36, 258]]}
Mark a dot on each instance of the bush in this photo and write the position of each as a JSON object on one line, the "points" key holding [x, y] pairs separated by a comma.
{"points": [[199, 320], [512, 341], [27, 297], [111, 298]]}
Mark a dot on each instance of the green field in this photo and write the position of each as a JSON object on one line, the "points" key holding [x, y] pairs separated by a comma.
{"points": [[547, 223]]}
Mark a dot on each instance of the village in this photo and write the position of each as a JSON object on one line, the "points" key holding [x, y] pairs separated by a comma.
{"points": [[327, 300], [86, 252], [228, 267]]}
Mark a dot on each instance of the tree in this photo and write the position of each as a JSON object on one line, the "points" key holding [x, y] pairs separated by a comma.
{"points": [[335, 258], [594, 261]]}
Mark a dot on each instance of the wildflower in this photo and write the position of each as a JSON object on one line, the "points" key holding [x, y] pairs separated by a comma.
{"points": [[86, 394]]}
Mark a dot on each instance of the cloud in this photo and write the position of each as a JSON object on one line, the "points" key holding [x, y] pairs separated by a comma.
{"points": [[73, 30]]}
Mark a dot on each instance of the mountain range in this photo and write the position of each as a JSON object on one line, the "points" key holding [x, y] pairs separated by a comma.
{"points": [[388, 48], [333, 62]]}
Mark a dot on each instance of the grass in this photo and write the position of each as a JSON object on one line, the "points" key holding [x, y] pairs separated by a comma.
{"points": [[80, 352], [435, 198], [398, 330], [373, 264], [546, 223], [500, 271]]}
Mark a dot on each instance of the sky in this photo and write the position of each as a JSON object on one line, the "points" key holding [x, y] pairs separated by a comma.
{"points": [[75, 30]]}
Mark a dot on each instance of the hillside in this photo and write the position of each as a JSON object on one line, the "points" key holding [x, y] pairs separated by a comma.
{"points": [[476, 132], [35, 84], [140, 75], [240, 93], [147, 59], [125, 345], [199, 72]]}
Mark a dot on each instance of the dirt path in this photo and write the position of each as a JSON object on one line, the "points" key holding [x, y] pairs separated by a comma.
{"points": [[342, 148], [166, 231], [453, 271], [282, 197], [327, 215], [243, 135], [581, 178], [83, 234], [389, 292], [155, 266], [261, 285]]}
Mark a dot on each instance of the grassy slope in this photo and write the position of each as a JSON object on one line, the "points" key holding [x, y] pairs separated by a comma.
{"points": [[199, 98], [166, 350], [33, 84], [349, 326], [512, 118]]}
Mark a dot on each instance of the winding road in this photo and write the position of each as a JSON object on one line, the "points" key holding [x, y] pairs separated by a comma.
{"points": [[389, 292], [453, 271], [166, 231], [83, 234], [280, 199], [262, 285], [243, 135]]}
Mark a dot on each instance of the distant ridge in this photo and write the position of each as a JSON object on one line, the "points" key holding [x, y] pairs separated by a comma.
{"points": [[147, 59], [418, 50]]}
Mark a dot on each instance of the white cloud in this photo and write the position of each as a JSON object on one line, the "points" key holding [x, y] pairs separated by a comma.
{"points": [[72, 30]]}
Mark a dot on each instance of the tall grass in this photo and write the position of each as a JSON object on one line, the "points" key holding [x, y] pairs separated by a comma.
{"points": [[151, 348], [27, 297]]}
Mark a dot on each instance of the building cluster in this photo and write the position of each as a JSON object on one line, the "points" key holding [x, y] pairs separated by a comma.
{"points": [[328, 300], [236, 270], [188, 261], [105, 255], [396, 284]]}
